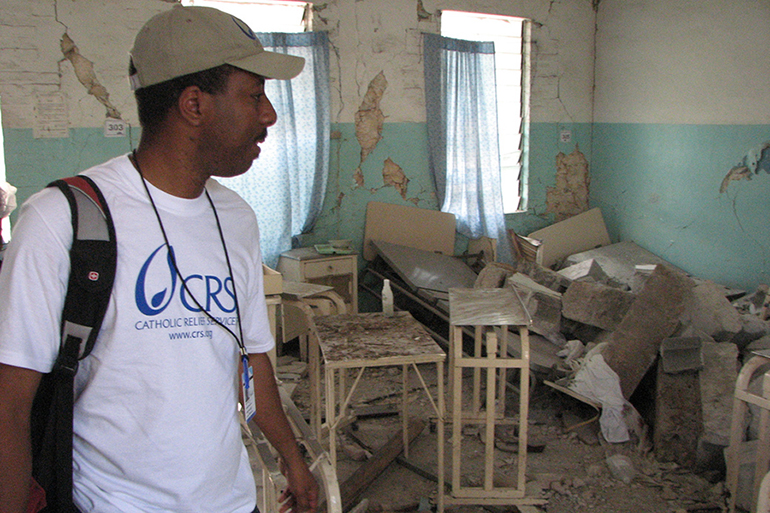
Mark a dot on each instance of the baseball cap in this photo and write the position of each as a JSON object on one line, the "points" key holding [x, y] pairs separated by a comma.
{"points": [[186, 40]]}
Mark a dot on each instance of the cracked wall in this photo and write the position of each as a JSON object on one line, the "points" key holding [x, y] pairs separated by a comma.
{"points": [[368, 36], [378, 103], [84, 71], [674, 147], [569, 197], [76, 49], [756, 160]]}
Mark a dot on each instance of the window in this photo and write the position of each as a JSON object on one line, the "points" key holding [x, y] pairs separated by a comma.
{"points": [[510, 35], [285, 186], [265, 15]]}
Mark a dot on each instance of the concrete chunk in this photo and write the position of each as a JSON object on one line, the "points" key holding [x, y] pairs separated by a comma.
{"points": [[678, 417], [596, 304], [717, 386], [619, 260], [710, 312], [585, 270], [681, 354], [543, 275], [633, 346], [543, 306]]}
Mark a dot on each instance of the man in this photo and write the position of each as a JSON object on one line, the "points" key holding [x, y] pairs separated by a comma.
{"points": [[155, 423]]}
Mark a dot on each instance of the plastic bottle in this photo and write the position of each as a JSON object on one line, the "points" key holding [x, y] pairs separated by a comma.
{"points": [[387, 299]]}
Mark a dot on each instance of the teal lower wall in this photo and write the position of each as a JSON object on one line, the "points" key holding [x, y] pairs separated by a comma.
{"points": [[657, 185], [30, 164]]}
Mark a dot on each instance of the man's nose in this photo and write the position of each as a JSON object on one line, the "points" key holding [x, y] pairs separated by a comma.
{"points": [[267, 114]]}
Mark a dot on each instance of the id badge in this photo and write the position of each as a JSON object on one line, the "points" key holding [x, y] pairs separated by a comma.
{"points": [[247, 388]]}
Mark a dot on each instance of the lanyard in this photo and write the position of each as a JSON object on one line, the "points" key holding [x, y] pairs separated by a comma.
{"points": [[172, 257]]}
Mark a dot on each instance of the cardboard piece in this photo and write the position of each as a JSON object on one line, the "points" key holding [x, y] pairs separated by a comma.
{"points": [[579, 233], [419, 228], [273, 281]]}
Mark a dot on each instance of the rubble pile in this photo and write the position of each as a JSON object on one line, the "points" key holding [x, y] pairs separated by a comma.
{"points": [[623, 311]]}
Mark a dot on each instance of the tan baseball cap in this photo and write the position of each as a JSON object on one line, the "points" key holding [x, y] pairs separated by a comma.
{"points": [[186, 40]]}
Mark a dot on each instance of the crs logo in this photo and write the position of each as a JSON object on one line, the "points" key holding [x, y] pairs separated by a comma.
{"points": [[245, 29], [159, 283]]}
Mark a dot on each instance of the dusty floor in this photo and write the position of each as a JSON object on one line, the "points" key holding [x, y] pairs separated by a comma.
{"points": [[570, 471]]}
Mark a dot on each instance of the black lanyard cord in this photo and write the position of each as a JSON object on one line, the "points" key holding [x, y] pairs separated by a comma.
{"points": [[172, 257]]}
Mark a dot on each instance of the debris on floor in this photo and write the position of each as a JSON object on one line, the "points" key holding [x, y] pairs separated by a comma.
{"points": [[674, 342]]}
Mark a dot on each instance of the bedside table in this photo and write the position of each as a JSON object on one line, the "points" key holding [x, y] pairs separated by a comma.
{"points": [[338, 271]]}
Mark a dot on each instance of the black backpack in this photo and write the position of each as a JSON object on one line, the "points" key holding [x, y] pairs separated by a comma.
{"points": [[93, 259]]}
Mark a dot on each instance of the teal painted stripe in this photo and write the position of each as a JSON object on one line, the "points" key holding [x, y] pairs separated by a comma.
{"points": [[30, 164], [658, 185]]}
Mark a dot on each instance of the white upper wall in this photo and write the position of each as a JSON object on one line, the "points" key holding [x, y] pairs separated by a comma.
{"points": [[373, 36], [367, 37], [683, 62]]}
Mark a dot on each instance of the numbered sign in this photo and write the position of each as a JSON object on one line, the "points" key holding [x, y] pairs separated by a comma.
{"points": [[115, 128]]}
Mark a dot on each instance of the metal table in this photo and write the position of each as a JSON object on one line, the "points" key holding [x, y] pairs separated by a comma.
{"points": [[360, 341]]}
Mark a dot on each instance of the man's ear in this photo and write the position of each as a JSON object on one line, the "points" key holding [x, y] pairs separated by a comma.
{"points": [[193, 104]]}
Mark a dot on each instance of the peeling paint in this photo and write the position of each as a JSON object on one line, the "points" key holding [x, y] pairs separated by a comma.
{"points": [[756, 160], [369, 118], [358, 177], [393, 175], [84, 70], [422, 14], [570, 195]]}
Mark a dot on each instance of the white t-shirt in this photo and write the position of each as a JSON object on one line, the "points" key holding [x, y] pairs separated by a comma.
{"points": [[156, 426]]}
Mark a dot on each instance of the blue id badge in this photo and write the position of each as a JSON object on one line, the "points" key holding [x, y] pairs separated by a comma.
{"points": [[247, 387]]}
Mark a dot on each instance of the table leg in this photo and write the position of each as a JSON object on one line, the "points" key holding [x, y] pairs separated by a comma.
{"points": [[331, 419], [441, 412], [404, 415]]}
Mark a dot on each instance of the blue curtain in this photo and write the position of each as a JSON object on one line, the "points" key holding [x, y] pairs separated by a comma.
{"points": [[287, 183], [464, 153]]}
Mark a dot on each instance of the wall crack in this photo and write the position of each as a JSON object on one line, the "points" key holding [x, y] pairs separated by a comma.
{"points": [[84, 70]]}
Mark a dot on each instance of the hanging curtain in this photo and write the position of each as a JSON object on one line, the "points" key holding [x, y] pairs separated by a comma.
{"points": [[287, 183], [464, 153]]}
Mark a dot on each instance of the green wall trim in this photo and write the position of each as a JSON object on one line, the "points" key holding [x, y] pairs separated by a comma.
{"points": [[30, 164], [656, 184]]}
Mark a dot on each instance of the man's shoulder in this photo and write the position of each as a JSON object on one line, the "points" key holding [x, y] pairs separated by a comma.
{"points": [[110, 170]]}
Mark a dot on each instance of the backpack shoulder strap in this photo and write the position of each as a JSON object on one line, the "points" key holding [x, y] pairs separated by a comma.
{"points": [[93, 260]]}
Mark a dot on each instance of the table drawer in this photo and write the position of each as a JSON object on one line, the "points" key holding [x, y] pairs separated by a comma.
{"points": [[321, 268]]}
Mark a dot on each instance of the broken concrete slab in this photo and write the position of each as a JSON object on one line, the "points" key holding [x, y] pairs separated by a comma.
{"points": [[709, 311], [752, 328], [543, 306], [596, 304], [543, 275], [681, 354], [632, 348], [619, 260], [586, 270], [717, 386], [678, 417]]}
